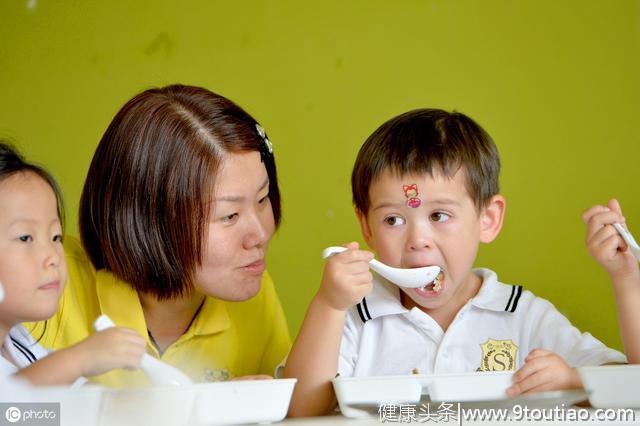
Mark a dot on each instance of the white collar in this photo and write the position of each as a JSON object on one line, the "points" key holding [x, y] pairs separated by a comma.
{"points": [[384, 299]]}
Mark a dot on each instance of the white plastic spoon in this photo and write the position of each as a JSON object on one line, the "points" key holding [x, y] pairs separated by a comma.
{"points": [[408, 278], [159, 372], [628, 238]]}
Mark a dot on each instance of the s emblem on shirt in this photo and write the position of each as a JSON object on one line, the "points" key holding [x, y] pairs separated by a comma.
{"points": [[498, 355]]}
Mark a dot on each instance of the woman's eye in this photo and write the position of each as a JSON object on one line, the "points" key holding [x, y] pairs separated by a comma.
{"points": [[264, 199], [229, 218], [57, 238], [394, 221], [440, 217], [25, 238]]}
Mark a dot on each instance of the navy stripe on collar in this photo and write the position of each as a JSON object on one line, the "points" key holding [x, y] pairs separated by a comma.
{"points": [[516, 292], [26, 352]]}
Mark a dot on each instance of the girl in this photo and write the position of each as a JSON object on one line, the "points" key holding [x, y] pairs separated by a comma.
{"points": [[33, 273]]}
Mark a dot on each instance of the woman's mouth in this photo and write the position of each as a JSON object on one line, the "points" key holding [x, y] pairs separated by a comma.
{"points": [[257, 267]]}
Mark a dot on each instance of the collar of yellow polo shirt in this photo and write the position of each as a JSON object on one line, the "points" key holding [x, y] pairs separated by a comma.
{"points": [[225, 339]]}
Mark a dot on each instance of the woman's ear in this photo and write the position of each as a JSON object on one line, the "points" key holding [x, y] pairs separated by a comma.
{"points": [[364, 226], [491, 218]]}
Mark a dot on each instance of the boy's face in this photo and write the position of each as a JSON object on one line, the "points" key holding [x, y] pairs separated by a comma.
{"points": [[439, 226]]}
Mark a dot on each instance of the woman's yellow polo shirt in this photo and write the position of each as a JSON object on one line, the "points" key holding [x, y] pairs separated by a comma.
{"points": [[226, 339]]}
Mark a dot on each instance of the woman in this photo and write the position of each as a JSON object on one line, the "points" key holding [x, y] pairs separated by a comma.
{"points": [[176, 214]]}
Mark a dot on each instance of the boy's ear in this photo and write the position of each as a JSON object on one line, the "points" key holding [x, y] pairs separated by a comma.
{"points": [[364, 226], [491, 218]]}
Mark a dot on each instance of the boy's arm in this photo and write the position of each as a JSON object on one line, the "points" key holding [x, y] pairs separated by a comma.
{"points": [[608, 248], [627, 295], [313, 359]]}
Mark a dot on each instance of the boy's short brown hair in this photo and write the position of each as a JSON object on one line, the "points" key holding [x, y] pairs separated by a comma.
{"points": [[145, 203], [427, 141]]}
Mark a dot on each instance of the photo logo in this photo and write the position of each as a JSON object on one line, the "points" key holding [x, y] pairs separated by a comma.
{"points": [[30, 413], [13, 414]]}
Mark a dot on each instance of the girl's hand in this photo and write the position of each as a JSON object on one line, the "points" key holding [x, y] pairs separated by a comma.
{"points": [[346, 279], [605, 244], [115, 347], [544, 371]]}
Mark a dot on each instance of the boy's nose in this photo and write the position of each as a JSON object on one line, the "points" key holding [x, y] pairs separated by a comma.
{"points": [[420, 237]]}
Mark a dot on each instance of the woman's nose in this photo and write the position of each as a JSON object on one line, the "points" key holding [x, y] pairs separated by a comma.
{"points": [[258, 232]]}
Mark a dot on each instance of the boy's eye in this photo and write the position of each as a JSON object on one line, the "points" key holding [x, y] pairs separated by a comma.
{"points": [[25, 238], [439, 217], [394, 221]]}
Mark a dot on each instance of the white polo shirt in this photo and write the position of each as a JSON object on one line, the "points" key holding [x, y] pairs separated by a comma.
{"points": [[22, 348], [494, 331]]}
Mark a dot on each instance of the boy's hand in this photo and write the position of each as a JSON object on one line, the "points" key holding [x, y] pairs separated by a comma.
{"points": [[346, 279], [605, 244], [544, 371], [115, 347]]}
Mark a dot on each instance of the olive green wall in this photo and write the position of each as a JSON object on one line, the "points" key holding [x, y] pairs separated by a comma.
{"points": [[554, 82]]}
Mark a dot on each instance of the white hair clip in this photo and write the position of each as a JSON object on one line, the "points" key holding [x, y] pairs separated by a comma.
{"points": [[265, 139]]}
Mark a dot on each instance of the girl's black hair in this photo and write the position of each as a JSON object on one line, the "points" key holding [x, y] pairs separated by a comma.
{"points": [[11, 162]]}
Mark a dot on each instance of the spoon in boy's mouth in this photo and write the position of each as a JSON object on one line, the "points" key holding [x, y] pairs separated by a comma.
{"points": [[407, 278]]}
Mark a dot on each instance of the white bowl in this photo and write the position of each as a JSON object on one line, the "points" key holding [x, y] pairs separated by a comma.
{"points": [[78, 406], [245, 401], [375, 390], [219, 403], [465, 387], [612, 386]]}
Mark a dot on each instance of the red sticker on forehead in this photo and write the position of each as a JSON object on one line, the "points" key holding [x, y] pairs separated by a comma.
{"points": [[411, 193]]}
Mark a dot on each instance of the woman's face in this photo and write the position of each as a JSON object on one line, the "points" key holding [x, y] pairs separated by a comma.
{"points": [[239, 229]]}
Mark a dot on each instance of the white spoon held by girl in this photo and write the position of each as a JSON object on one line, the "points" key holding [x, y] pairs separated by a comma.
{"points": [[160, 373]]}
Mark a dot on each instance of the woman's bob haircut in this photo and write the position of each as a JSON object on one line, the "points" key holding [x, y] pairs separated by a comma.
{"points": [[145, 204]]}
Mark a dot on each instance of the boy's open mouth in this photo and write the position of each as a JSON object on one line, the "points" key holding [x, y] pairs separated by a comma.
{"points": [[436, 285]]}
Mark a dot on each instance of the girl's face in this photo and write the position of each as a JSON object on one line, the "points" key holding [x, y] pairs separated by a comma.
{"points": [[240, 226], [32, 266]]}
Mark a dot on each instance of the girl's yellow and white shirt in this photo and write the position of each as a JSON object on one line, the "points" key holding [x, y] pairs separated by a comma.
{"points": [[494, 331], [225, 340]]}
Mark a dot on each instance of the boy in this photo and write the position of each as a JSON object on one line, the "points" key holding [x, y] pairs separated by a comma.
{"points": [[608, 248], [425, 189]]}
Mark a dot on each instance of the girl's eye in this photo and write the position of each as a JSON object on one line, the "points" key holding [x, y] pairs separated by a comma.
{"points": [[57, 238], [264, 199], [25, 238], [440, 217], [394, 221]]}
